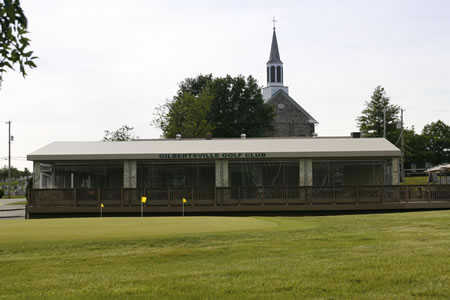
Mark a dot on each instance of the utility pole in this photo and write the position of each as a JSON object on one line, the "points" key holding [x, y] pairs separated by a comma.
{"points": [[384, 122], [9, 158], [402, 168]]}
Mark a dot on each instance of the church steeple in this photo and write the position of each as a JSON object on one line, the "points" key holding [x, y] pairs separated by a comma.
{"points": [[274, 66], [274, 52]]}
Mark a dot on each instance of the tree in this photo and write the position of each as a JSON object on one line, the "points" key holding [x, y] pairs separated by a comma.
{"points": [[194, 86], [187, 116], [415, 148], [224, 107], [437, 142], [15, 173], [13, 41], [26, 172], [371, 122], [238, 107], [124, 133]]}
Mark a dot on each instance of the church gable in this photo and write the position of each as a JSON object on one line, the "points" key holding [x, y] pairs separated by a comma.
{"points": [[290, 118]]}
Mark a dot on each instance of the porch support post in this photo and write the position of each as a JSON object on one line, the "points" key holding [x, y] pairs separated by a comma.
{"points": [[305, 172], [222, 181], [129, 174], [222, 173], [395, 171], [37, 180]]}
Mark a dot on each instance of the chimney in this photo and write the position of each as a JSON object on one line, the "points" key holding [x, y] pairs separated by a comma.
{"points": [[178, 136], [243, 136]]}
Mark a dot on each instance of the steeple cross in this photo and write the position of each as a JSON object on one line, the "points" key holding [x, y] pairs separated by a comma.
{"points": [[274, 21]]}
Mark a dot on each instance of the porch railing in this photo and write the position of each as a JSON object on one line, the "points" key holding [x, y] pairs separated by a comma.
{"points": [[236, 196]]}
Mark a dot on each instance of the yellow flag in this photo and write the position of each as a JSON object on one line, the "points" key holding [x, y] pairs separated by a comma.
{"points": [[101, 205], [143, 199], [184, 200]]}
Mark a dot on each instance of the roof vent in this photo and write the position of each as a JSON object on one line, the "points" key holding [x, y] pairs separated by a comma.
{"points": [[243, 136], [355, 135], [178, 136]]}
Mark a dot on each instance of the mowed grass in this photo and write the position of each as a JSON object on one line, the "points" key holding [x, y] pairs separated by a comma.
{"points": [[418, 180], [375, 256]]}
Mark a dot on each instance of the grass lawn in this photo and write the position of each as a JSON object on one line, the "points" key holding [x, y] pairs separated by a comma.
{"points": [[419, 180], [377, 256], [23, 202], [5, 196]]}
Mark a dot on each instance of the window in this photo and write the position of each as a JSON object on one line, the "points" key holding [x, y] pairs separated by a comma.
{"points": [[278, 74], [337, 173], [272, 74], [175, 174]]}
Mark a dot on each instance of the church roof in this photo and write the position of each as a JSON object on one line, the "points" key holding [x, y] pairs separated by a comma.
{"points": [[274, 53], [282, 93]]}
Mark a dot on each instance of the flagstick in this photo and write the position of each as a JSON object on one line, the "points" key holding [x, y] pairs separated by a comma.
{"points": [[183, 207], [142, 209], [101, 212]]}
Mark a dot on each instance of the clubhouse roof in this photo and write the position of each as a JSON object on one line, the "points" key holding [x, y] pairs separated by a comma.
{"points": [[233, 148]]}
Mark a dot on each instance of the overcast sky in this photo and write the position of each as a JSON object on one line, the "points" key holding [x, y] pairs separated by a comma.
{"points": [[103, 64]]}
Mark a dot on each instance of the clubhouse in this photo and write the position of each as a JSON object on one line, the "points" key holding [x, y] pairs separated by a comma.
{"points": [[218, 175]]}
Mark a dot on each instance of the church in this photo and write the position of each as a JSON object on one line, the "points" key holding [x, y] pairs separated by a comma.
{"points": [[290, 118]]}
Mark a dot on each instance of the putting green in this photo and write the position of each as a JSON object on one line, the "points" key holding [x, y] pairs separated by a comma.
{"points": [[122, 228]]}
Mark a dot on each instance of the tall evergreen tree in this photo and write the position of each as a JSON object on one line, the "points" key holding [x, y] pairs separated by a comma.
{"points": [[371, 122]]}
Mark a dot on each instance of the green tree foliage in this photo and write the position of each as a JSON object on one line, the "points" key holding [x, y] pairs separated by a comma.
{"points": [[194, 86], [13, 41], [371, 122], [124, 133], [239, 108], [226, 107], [26, 172], [436, 136], [187, 116], [15, 173]]}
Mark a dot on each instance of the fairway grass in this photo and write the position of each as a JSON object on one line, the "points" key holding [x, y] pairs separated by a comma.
{"points": [[375, 256]]}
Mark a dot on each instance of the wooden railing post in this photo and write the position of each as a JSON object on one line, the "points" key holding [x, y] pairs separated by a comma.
{"points": [[75, 204], [99, 198], [358, 195], [260, 194], [334, 194], [308, 196]]}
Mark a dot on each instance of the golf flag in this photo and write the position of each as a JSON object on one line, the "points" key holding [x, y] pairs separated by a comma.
{"points": [[101, 205], [143, 199], [184, 200]]}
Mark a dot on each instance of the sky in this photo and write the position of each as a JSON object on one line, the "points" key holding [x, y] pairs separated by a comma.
{"points": [[106, 63]]}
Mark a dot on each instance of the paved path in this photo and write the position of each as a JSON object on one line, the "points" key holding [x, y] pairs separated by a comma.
{"points": [[11, 211]]}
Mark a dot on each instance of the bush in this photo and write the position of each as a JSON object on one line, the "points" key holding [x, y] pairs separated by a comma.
{"points": [[1, 193]]}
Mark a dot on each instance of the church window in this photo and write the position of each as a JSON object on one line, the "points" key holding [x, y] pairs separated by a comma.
{"points": [[272, 74], [278, 74]]}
